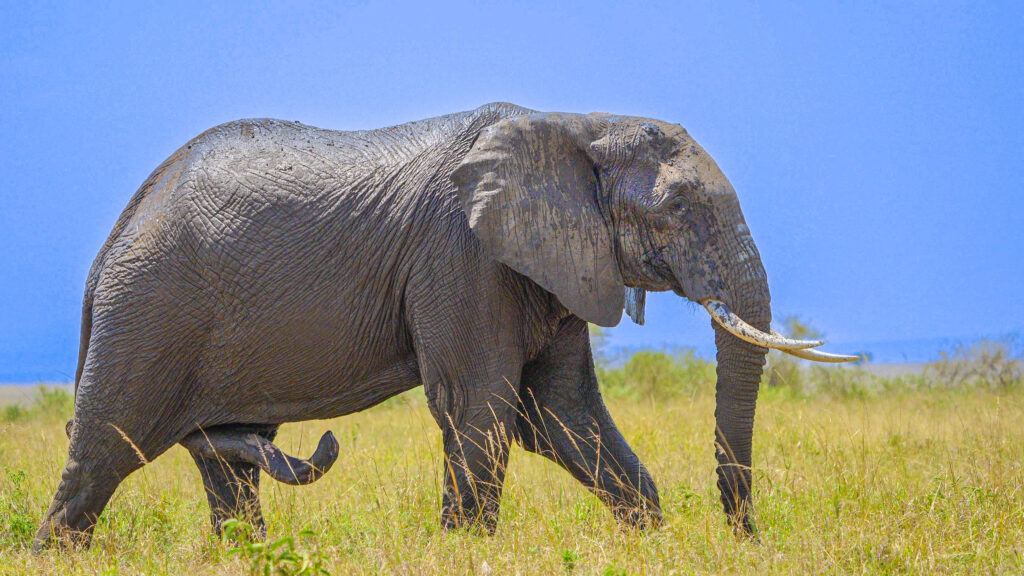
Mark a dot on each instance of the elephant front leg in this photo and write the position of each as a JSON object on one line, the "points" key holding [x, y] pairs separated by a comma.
{"points": [[475, 456], [563, 418], [476, 416]]}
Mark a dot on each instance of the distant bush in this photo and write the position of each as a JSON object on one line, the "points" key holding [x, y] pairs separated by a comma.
{"points": [[991, 364], [842, 382], [14, 412], [50, 402], [650, 373], [54, 402], [996, 365], [783, 370]]}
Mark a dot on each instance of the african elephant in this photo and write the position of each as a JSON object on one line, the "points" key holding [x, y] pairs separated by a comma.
{"points": [[271, 272]]}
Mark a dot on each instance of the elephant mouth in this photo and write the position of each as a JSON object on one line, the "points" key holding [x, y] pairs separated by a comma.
{"points": [[654, 260]]}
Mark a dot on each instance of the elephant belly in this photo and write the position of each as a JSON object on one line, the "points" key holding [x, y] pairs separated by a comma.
{"points": [[305, 363]]}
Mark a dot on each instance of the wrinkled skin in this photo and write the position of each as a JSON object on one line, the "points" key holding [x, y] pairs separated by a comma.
{"points": [[272, 272]]}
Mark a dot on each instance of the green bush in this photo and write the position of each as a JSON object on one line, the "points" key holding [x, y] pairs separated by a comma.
{"points": [[14, 511], [54, 402], [784, 371], [842, 382], [14, 412], [658, 374], [49, 403], [986, 364]]}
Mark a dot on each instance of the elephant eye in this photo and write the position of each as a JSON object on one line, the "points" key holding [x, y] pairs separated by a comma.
{"points": [[675, 205]]}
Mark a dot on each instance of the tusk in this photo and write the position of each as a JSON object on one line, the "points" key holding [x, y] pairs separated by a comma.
{"points": [[740, 329], [819, 356]]}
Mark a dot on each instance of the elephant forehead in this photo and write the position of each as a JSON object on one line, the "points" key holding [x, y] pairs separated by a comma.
{"points": [[691, 159]]}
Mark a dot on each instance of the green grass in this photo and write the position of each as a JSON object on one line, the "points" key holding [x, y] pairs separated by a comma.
{"points": [[853, 474]]}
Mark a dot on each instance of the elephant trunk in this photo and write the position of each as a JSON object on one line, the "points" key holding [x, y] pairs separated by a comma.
{"points": [[740, 365], [736, 281]]}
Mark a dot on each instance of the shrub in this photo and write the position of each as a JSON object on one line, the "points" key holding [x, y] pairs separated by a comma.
{"points": [[52, 402], [843, 382], [280, 556], [49, 403], [14, 412], [991, 364], [783, 371], [658, 374]]}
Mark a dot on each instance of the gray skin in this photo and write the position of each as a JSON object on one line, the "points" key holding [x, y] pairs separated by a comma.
{"points": [[273, 272]]}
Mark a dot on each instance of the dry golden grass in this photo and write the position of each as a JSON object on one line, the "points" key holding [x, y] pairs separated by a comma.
{"points": [[910, 482]]}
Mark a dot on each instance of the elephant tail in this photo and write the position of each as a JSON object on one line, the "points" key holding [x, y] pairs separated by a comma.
{"points": [[233, 445], [83, 337]]}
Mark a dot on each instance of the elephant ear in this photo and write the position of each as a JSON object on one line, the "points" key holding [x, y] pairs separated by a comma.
{"points": [[529, 190]]}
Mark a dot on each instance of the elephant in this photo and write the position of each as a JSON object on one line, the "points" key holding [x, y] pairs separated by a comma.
{"points": [[272, 272]]}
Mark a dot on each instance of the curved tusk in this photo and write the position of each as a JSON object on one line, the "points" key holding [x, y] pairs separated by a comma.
{"points": [[740, 329], [819, 356]]}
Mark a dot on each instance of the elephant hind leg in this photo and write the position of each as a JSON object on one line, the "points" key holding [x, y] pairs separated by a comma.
{"points": [[100, 456], [233, 487]]}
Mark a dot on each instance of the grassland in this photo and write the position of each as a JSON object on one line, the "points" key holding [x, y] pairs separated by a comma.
{"points": [[853, 473]]}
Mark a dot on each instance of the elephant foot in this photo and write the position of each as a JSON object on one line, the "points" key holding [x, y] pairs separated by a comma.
{"points": [[640, 518], [482, 521], [71, 518]]}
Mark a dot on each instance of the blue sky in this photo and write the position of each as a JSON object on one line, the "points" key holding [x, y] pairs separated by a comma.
{"points": [[878, 149]]}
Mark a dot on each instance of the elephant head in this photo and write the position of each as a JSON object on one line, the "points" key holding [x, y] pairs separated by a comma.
{"points": [[597, 209]]}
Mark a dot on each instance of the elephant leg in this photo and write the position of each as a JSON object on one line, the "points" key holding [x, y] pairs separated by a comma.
{"points": [[470, 321], [233, 488], [131, 406], [100, 456], [475, 456], [563, 418], [476, 411]]}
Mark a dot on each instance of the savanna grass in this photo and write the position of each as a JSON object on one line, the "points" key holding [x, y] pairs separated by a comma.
{"points": [[870, 476]]}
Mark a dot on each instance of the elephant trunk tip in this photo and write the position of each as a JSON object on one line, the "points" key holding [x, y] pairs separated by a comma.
{"points": [[325, 455]]}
